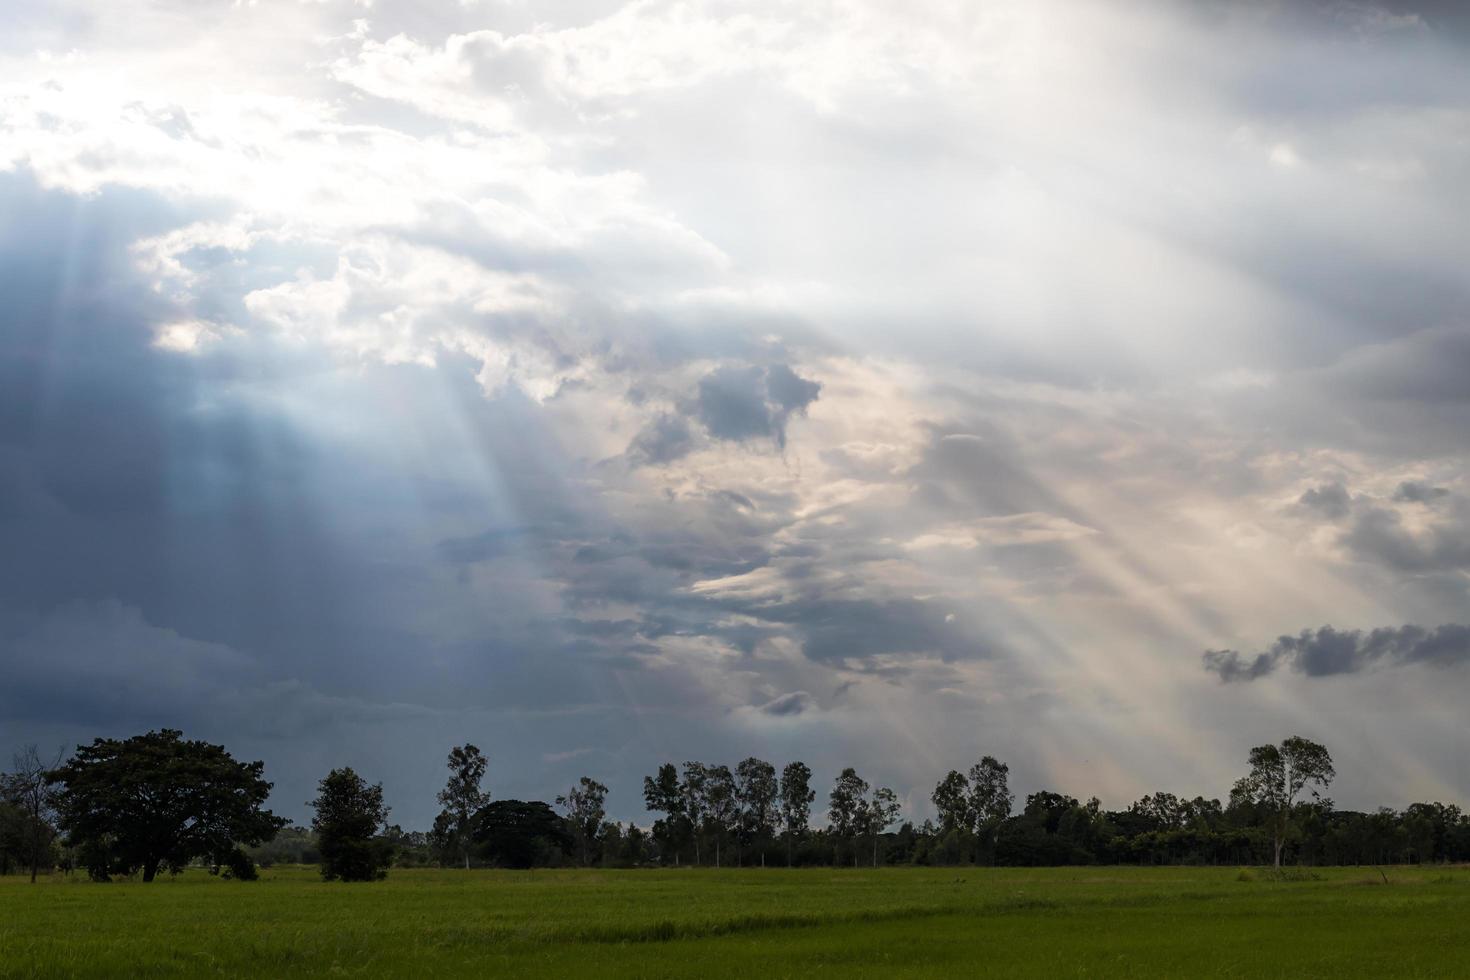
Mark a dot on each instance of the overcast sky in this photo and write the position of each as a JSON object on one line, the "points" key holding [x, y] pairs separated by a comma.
{"points": [[875, 384]]}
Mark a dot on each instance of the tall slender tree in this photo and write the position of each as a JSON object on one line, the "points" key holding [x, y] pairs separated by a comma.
{"points": [[796, 804], [462, 797], [695, 790], [27, 786], [662, 794], [990, 800], [1279, 775], [722, 809], [881, 813], [585, 804], [757, 791], [847, 809]]}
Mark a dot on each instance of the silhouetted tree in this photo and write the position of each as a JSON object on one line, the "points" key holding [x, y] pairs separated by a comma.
{"points": [[847, 810], [349, 818], [1279, 774], [462, 797], [722, 807], [584, 804], [694, 789], [513, 834], [990, 798], [757, 791], [881, 813], [662, 794], [951, 798], [796, 804], [28, 788], [155, 800]]}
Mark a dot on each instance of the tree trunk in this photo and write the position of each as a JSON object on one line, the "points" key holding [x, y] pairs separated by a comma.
{"points": [[150, 869], [467, 860], [875, 850]]}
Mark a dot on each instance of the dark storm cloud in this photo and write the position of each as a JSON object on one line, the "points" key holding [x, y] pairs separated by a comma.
{"points": [[663, 440], [1326, 651], [732, 403], [1331, 500], [1380, 535], [1415, 492], [789, 705], [740, 403]]}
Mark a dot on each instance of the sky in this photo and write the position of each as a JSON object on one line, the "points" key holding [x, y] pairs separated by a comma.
{"points": [[608, 384]]}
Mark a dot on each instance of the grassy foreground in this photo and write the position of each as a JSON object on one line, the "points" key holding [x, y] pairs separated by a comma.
{"points": [[1011, 922]]}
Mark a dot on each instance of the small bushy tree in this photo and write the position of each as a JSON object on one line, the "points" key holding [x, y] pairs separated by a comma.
{"points": [[349, 817]]}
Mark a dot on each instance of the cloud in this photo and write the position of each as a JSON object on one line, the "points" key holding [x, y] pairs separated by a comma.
{"points": [[1325, 652], [741, 403], [1415, 492], [1331, 500], [663, 440], [789, 705]]}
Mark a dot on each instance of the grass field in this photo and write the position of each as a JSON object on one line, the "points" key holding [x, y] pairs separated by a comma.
{"points": [[1069, 922]]}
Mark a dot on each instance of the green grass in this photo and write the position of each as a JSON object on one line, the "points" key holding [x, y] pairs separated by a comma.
{"points": [[900, 922]]}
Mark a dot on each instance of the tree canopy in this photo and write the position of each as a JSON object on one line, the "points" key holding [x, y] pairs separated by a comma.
{"points": [[157, 800], [349, 817]]}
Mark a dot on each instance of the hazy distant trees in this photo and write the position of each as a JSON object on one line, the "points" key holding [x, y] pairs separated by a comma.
{"points": [[156, 800], [585, 804], [349, 817], [796, 804], [1278, 776], [462, 798]]}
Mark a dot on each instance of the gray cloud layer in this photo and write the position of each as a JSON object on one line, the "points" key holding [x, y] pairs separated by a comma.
{"points": [[1325, 652]]}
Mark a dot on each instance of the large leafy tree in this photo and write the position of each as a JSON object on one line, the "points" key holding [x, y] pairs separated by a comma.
{"points": [[585, 804], [350, 817], [796, 803], [1279, 775], [462, 798], [515, 834], [157, 800]]}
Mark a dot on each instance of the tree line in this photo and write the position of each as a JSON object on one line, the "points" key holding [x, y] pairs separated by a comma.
{"points": [[159, 802]]}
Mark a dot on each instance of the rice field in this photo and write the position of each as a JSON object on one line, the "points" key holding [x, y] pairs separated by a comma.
{"points": [[898, 922]]}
